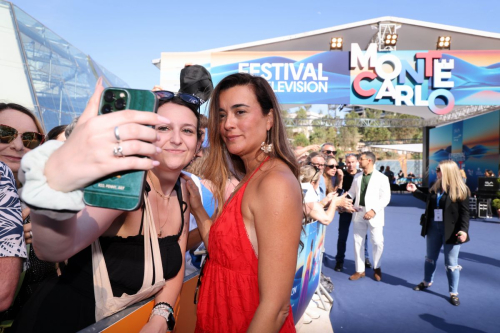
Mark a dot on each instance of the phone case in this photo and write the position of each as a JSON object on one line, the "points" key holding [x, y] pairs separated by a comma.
{"points": [[123, 190]]}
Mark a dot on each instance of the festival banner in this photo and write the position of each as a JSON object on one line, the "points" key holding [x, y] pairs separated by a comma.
{"points": [[309, 262], [437, 79], [296, 77]]}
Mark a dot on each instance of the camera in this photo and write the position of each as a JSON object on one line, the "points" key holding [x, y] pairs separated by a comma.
{"points": [[114, 99]]}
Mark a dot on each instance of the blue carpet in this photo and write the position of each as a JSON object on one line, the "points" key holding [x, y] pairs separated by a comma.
{"points": [[391, 305]]}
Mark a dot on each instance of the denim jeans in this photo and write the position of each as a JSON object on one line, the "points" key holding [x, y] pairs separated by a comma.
{"points": [[344, 224], [435, 240]]}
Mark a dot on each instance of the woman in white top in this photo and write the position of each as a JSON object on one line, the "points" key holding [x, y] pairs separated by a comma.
{"points": [[313, 206]]}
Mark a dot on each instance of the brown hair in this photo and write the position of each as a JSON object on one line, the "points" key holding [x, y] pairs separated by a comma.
{"points": [[221, 162], [198, 165], [328, 179], [22, 109]]}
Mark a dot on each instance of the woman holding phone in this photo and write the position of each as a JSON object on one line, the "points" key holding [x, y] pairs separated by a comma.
{"points": [[444, 224], [138, 247], [309, 177], [254, 238]]}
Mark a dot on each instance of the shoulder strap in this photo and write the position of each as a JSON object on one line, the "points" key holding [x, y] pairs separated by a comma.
{"points": [[182, 204], [147, 189], [257, 169]]}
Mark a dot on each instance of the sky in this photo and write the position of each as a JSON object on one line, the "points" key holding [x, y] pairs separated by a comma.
{"points": [[125, 36]]}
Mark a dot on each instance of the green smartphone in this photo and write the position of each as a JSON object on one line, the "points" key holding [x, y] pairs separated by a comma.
{"points": [[123, 190]]}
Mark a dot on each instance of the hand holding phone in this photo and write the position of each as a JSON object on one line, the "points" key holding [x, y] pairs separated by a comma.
{"points": [[87, 155], [122, 190]]}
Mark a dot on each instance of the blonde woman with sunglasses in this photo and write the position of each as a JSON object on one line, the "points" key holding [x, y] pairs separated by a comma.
{"points": [[444, 224]]}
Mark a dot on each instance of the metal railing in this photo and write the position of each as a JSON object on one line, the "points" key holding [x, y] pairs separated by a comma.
{"points": [[356, 122]]}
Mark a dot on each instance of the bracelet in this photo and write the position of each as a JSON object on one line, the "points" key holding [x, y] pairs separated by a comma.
{"points": [[164, 305], [167, 315], [37, 194], [161, 313]]}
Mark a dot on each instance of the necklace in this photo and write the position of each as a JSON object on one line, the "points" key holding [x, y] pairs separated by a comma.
{"points": [[158, 214], [164, 197]]}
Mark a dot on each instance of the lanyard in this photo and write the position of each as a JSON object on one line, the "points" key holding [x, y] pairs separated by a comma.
{"points": [[439, 195]]}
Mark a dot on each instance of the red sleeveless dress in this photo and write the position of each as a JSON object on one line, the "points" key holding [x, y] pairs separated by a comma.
{"points": [[229, 291]]}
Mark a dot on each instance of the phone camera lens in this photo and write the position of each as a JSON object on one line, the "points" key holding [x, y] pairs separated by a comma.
{"points": [[120, 104], [106, 109], [109, 96]]}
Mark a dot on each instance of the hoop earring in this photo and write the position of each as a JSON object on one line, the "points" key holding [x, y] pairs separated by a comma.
{"points": [[267, 146]]}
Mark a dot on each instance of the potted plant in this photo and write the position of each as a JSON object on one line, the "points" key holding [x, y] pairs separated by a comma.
{"points": [[496, 202], [496, 205]]}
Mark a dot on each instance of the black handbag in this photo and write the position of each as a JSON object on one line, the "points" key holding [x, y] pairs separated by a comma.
{"points": [[423, 218]]}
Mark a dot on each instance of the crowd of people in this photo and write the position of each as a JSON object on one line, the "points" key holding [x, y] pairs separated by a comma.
{"points": [[232, 197]]}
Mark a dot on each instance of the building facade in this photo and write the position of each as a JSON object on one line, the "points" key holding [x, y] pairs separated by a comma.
{"points": [[42, 71]]}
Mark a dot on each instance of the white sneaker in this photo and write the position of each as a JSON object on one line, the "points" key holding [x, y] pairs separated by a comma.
{"points": [[316, 297], [306, 319], [312, 313]]}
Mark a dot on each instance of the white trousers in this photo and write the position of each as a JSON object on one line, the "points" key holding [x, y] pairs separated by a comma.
{"points": [[361, 227]]}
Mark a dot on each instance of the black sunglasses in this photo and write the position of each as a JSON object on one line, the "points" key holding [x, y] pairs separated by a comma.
{"points": [[334, 152], [331, 166], [30, 140], [165, 95], [438, 169]]}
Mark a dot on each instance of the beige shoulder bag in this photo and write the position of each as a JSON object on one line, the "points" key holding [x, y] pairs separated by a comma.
{"points": [[106, 304]]}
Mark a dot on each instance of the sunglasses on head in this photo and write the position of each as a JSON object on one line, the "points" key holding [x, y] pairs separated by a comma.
{"points": [[165, 95], [334, 152], [332, 166], [30, 140]]}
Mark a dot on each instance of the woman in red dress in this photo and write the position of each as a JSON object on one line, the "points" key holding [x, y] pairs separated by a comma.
{"points": [[253, 240]]}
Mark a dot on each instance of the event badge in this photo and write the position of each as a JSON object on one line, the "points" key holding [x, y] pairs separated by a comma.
{"points": [[438, 215]]}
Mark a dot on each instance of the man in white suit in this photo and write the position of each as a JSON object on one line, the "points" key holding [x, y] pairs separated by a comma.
{"points": [[372, 192]]}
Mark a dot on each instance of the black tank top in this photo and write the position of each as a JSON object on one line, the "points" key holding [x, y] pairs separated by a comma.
{"points": [[125, 259]]}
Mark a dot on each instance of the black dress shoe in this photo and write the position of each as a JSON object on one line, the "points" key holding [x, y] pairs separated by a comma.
{"points": [[339, 267], [420, 286], [368, 264], [454, 300]]}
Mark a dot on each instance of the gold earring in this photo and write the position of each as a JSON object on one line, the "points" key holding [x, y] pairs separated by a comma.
{"points": [[267, 146]]}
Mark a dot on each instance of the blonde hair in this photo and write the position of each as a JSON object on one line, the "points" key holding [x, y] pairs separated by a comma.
{"points": [[198, 165], [451, 181], [308, 174], [221, 163]]}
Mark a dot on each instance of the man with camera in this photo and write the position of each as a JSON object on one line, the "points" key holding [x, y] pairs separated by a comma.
{"points": [[373, 193], [345, 216]]}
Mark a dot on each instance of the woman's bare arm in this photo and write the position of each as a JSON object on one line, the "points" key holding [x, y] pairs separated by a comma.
{"points": [[203, 221], [277, 212], [56, 240]]}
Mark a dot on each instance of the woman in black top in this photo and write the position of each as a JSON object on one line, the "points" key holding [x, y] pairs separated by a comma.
{"points": [[445, 223], [67, 304]]}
